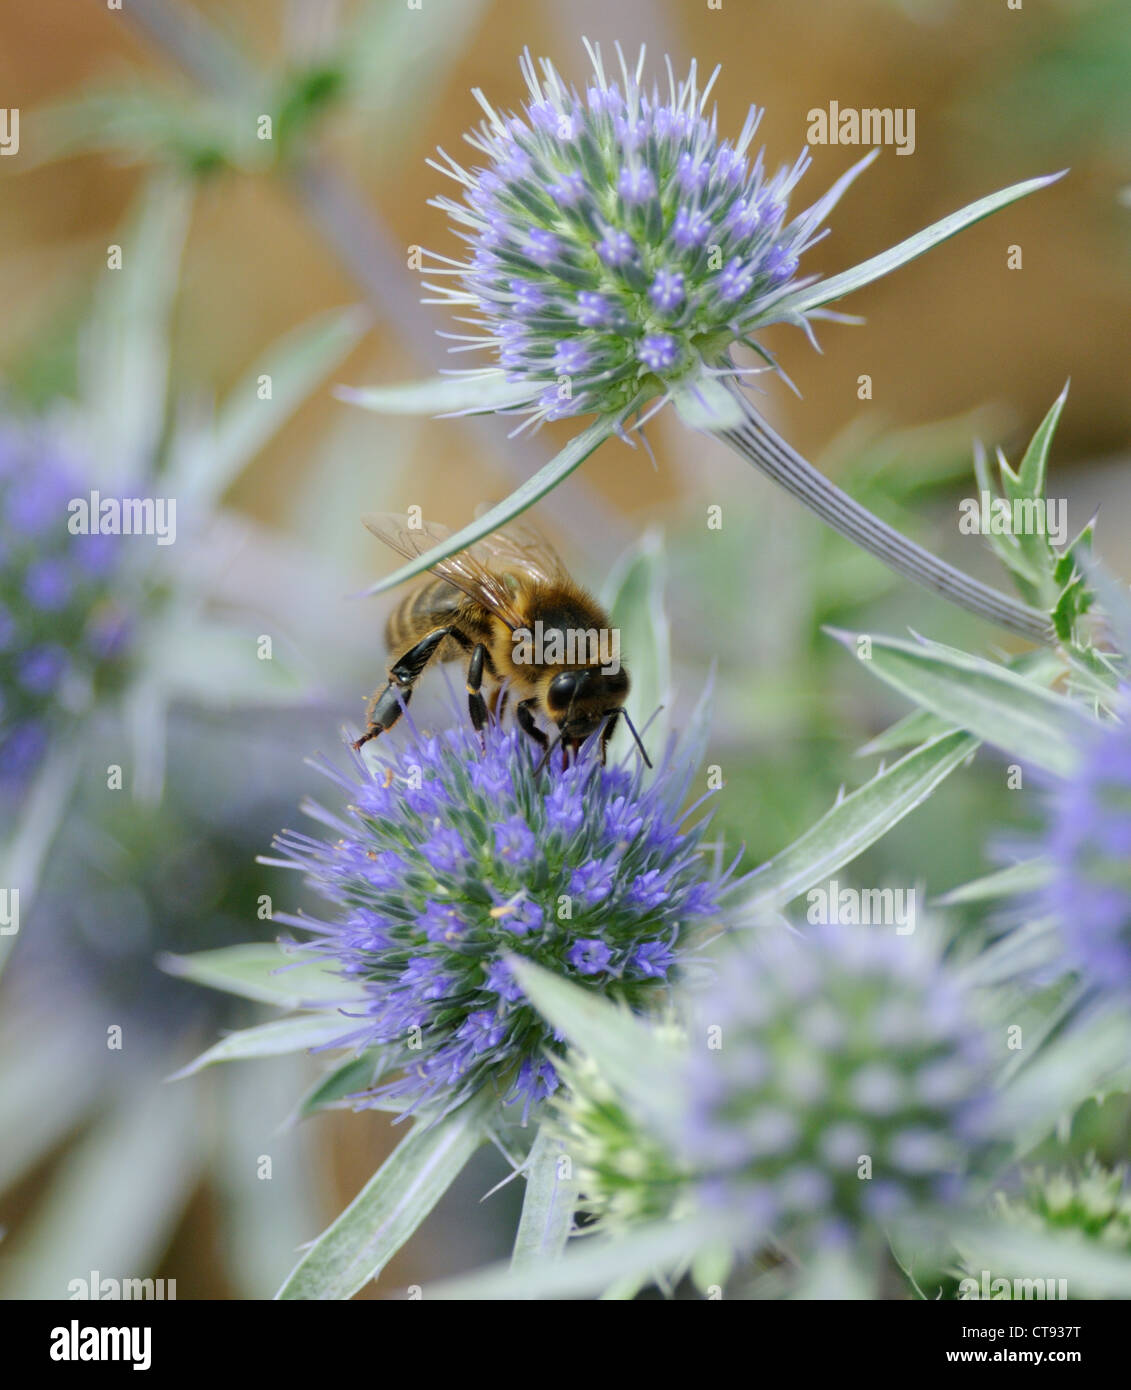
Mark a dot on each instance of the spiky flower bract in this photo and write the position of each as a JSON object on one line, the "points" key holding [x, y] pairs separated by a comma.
{"points": [[64, 629], [1088, 843], [1089, 1203], [451, 856], [617, 245], [621, 1168], [835, 1081], [1095, 1202]]}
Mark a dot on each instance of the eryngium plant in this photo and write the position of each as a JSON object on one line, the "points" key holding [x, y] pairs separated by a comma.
{"points": [[1093, 1201], [618, 245], [623, 1173], [65, 626], [1088, 844], [452, 855], [618, 249], [834, 1082]]}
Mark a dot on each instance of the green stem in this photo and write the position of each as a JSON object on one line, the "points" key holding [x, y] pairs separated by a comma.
{"points": [[762, 446]]}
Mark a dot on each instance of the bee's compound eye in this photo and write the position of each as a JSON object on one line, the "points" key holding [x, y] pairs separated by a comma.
{"points": [[562, 690]]}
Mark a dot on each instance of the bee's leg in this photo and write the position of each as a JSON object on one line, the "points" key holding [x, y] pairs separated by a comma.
{"points": [[524, 714], [385, 707], [477, 706]]}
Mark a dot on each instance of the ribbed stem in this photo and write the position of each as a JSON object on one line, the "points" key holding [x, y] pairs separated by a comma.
{"points": [[762, 446]]}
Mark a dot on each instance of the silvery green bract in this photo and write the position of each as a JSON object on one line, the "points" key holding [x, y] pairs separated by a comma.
{"points": [[624, 1172]]}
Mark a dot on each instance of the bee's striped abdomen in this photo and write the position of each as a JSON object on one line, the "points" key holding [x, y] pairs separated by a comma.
{"points": [[431, 605]]}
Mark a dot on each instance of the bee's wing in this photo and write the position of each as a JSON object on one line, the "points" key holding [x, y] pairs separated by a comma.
{"points": [[464, 571], [522, 549]]}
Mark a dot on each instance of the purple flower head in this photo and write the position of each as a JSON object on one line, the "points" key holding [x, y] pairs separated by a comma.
{"points": [[654, 958], [570, 357], [667, 290], [66, 623], [781, 264], [659, 352], [501, 981], [593, 310], [690, 229], [446, 851], [442, 922], [569, 190], [735, 280], [541, 246], [793, 1086], [48, 585], [1087, 839], [568, 864], [589, 956], [636, 185], [40, 669], [528, 297], [616, 248]]}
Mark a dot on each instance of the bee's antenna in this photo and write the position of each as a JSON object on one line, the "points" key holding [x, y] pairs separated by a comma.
{"points": [[632, 729]]}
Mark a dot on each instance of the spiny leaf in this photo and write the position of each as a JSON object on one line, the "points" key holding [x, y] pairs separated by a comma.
{"points": [[273, 1039], [856, 822], [441, 395], [264, 972], [547, 1210], [804, 300], [990, 701], [548, 477], [391, 1205]]}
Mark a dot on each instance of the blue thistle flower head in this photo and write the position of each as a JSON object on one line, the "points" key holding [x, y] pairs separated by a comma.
{"points": [[617, 246], [1087, 839], [452, 857], [834, 1082], [64, 629]]}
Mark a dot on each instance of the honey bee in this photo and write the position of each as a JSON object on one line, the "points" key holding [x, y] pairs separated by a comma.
{"points": [[482, 605]]}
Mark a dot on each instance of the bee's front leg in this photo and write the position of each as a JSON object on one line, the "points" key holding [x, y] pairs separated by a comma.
{"points": [[385, 707], [476, 705], [524, 713]]}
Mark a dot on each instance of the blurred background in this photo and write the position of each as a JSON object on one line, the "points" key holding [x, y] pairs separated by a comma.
{"points": [[289, 257]]}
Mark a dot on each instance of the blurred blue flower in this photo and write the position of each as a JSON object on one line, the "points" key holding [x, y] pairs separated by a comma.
{"points": [[1087, 838], [834, 1081], [615, 240], [451, 856], [64, 625]]}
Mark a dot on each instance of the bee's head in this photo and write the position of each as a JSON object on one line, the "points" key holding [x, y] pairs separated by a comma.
{"points": [[579, 701]]}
